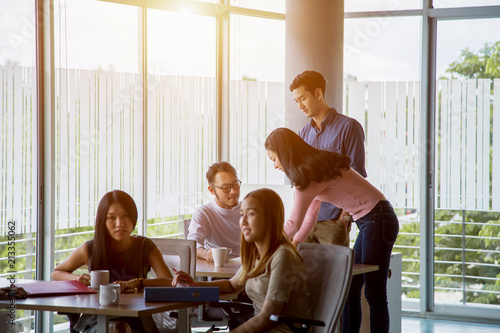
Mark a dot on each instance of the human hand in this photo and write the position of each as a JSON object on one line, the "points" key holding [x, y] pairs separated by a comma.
{"points": [[295, 243], [84, 278], [346, 218], [209, 257], [183, 279], [129, 286]]}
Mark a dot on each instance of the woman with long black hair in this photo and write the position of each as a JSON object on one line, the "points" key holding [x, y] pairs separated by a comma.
{"points": [[128, 259], [318, 176]]}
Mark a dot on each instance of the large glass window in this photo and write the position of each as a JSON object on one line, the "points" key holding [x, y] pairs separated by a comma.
{"points": [[256, 95], [98, 118], [463, 3], [18, 146], [272, 6], [382, 91], [380, 5], [182, 116], [467, 205]]}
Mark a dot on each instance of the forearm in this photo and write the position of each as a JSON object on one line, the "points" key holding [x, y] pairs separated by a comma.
{"points": [[258, 323], [309, 221], [59, 275], [157, 282], [225, 287], [261, 321]]}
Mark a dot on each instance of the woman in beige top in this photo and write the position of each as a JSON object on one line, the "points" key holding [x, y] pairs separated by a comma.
{"points": [[272, 273]]}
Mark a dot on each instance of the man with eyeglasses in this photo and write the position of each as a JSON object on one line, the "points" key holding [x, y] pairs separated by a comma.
{"points": [[216, 224]]}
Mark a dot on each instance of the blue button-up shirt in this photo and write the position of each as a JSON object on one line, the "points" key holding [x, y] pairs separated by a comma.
{"points": [[342, 135]]}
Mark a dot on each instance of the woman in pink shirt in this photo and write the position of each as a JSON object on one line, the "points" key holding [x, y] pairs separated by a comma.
{"points": [[319, 175]]}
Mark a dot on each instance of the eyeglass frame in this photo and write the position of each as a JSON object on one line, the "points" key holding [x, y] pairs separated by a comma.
{"points": [[231, 186]]}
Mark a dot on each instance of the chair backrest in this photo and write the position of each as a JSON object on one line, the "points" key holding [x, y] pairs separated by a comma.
{"points": [[186, 227], [329, 274], [178, 253]]}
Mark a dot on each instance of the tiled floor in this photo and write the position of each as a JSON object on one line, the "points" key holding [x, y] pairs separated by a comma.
{"points": [[417, 325]]}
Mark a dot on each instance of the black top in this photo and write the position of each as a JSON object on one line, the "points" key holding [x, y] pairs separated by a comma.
{"points": [[129, 264]]}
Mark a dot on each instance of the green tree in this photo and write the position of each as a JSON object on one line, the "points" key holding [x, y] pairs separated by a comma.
{"points": [[485, 64]]}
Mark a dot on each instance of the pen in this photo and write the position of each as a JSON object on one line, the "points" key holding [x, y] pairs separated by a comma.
{"points": [[210, 245], [189, 280]]}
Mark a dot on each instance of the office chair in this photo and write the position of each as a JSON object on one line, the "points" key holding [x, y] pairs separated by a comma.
{"points": [[179, 254], [329, 273]]}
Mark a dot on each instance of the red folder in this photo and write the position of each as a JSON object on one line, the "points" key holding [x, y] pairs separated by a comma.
{"points": [[55, 288]]}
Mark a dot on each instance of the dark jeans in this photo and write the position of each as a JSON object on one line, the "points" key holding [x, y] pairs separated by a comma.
{"points": [[378, 231]]}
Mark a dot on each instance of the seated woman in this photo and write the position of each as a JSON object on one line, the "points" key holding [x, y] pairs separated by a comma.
{"points": [[272, 273], [128, 259]]}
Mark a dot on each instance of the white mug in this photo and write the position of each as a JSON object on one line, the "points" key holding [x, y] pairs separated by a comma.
{"points": [[219, 254], [109, 294], [98, 278]]}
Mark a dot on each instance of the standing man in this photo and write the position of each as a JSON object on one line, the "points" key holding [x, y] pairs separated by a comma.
{"points": [[332, 131], [216, 224]]}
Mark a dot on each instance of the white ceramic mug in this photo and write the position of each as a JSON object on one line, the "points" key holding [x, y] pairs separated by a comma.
{"points": [[219, 254], [98, 278], [109, 294]]}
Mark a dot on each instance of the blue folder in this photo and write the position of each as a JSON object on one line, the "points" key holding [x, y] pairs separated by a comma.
{"points": [[187, 294]]}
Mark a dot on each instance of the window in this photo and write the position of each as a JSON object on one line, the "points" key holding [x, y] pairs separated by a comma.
{"points": [[380, 5], [98, 114], [182, 116], [256, 95], [272, 6], [467, 218], [464, 3], [18, 145], [382, 91]]}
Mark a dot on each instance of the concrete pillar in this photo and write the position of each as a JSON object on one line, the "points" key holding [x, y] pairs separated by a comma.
{"points": [[314, 41]]}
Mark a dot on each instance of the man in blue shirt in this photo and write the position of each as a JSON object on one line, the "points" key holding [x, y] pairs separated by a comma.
{"points": [[332, 131]]}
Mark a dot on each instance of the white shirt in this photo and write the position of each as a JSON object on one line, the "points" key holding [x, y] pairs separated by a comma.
{"points": [[217, 226]]}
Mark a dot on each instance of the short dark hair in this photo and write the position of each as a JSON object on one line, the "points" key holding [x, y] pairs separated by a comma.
{"points": [[217, 167], [311, 80]]}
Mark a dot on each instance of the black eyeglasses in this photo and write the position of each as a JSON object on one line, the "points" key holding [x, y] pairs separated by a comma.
{"points": [[227, 188]]}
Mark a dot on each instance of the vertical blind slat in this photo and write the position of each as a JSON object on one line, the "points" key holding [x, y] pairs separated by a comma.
{"points": [[63, 150], [495, 195], [390, 142], [401, 146], [85, 147], [374, 132], [486, 136], [18, 148], [455, 161], [74, 160]]}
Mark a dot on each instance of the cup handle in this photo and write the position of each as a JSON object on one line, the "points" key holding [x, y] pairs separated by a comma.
{"points": [[116, 295], [229, 250]]}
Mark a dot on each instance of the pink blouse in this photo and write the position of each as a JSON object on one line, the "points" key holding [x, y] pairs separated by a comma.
{"points": [[351, 192]]}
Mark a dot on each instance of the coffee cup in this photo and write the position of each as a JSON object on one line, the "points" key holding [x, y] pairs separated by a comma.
{"points": [[109, 294], [219, 254], [98, 277]]}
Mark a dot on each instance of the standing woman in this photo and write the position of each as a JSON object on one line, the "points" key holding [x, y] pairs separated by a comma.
{"points": [[128, 259], [271, 271], [318, 176]]}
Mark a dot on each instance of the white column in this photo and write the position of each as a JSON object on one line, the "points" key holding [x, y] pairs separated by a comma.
{"points": [[314, 41]]}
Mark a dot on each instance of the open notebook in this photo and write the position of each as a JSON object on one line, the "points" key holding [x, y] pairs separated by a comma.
{"points": [[55, 288]]}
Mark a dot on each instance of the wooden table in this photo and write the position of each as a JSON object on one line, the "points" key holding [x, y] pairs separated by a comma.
{"points": [[208, 269], [131, 305]]}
